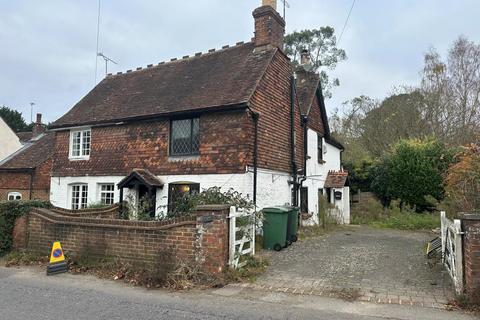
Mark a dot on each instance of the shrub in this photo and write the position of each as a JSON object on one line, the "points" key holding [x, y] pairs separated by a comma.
{"points": [[463, 181], [213, 195], [412, 172], [9, 212], [359, 175]]}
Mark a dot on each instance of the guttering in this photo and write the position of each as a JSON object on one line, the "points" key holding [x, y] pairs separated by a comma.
{"points": [[305, 146], [16, 170], [113, 122]]}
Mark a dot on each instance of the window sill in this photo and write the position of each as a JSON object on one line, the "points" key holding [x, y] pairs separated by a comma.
{"points": [[79, 158], [183, 158]]}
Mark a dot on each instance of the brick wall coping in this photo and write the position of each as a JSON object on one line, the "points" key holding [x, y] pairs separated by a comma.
{"points": [[470, 216], [89, 211], [56, 218]]}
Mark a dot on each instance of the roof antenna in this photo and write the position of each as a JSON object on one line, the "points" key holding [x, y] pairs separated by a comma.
{"points": [[98, 36], [107, 60], [285, 6]]}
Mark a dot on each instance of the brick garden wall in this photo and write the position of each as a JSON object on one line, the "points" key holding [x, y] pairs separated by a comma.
{"points": [[471, 254], [202, 238]]}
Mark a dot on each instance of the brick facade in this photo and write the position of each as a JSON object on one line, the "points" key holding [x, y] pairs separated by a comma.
{"points": [[272, 102], [20, 181], [225, 147], [202, 238], [471, 254]]}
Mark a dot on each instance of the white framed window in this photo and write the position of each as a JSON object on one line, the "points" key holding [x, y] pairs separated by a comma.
{"points": [[14, 196], [107, 193], [79, 196], [80, 144]]}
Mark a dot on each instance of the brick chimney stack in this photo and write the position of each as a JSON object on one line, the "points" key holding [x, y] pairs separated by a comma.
{"points": [[38, 126], [269, 26]]}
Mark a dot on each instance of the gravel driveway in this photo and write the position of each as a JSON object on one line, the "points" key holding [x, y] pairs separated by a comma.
{"points": [[368, 264]]}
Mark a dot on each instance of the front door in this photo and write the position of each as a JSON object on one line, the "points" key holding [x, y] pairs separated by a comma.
{"points": [[304, 200], [146, 200]]}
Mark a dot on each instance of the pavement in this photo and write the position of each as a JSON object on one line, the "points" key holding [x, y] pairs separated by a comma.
{"points": [[28, 293], [363, 263]]}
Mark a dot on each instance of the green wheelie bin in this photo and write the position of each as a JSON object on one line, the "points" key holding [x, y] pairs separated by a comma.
{"points": [[275, 228], [292, 224]]}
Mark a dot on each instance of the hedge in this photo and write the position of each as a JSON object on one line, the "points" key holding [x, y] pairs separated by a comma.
{"points": [[9, 212]]}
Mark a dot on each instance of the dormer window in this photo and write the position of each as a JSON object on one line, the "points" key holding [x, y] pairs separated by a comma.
{"points": [[80, 141]]}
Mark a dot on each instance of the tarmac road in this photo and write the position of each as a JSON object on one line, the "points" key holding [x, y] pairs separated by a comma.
{"points": [[28, 294]]}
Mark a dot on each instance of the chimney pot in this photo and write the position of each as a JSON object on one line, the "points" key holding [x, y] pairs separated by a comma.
{"points": [[271, 3], [39, 118]]}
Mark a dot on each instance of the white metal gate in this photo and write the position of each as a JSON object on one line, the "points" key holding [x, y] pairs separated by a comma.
{"points": [[241, 236], [452, 252]]}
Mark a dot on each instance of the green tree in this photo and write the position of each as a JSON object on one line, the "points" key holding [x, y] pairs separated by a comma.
{"points": [[413, 172], [322, 45], [14, 119]]}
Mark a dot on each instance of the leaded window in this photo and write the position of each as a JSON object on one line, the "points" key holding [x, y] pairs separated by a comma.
{"points": [[185, 137]]}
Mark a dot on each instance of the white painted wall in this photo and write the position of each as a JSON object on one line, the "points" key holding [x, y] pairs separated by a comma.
{"points": [[272, 188], [342, 211], [9, 141], [317, 172]]}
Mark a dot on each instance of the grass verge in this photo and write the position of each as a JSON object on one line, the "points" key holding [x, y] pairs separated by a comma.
{"points": [[160, 274], [375, 215]]}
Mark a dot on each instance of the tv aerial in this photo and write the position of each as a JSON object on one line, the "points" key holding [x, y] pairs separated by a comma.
{"points": [[107, 60]]}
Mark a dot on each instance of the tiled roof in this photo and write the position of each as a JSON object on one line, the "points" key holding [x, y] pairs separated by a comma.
{"points": [[33, 154], [221, 78], [336, 179], [307, 84], [24, 136], [144, 176]]}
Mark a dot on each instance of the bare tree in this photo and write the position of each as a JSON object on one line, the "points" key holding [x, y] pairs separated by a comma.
{"points": [[452, 92]]}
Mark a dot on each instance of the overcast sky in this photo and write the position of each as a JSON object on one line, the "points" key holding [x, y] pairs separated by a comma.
{"points": [[47, 48]]}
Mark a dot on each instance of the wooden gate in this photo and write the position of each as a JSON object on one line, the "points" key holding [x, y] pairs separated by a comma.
{"points": [[241, 236], [452, 252]]}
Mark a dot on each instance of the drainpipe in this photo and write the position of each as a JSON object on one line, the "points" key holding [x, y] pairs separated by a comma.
{"points": [[255, 117], [31, 184], [292, 141], [305, 146]]}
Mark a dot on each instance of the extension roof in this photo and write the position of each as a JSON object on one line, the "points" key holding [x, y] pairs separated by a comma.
{"points": [[216, 80], [336, 179], [31, 155]]}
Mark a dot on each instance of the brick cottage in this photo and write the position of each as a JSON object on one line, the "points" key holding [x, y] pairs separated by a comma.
{"points": [[26, 174], [241, 117]]}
